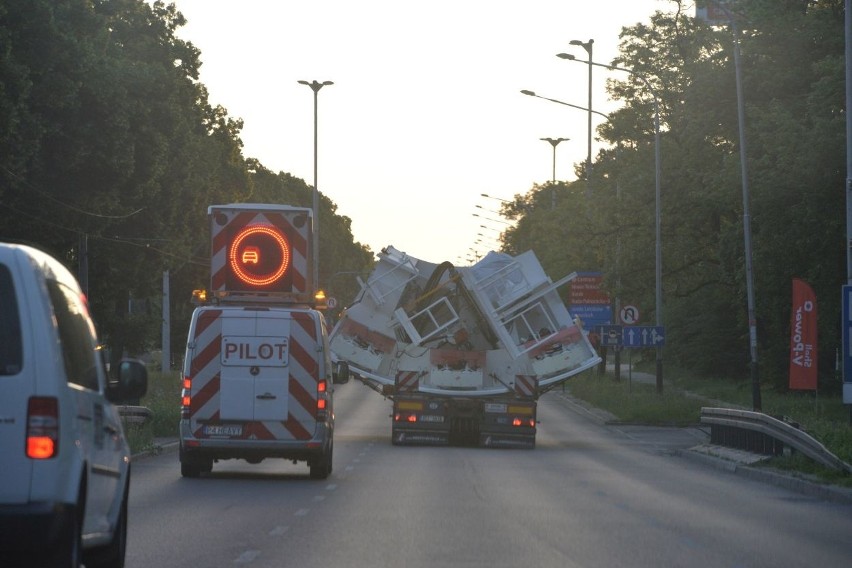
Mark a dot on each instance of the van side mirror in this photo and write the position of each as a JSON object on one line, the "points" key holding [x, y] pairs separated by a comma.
{"points": [[340, 373], [131, 382]]}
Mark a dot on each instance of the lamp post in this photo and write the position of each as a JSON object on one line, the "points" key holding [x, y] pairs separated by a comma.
{"points": [[657, 213], [315, 87], [554, 142], [587, 45], [752, 318]]}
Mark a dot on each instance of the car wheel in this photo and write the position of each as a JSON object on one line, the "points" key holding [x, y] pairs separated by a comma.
{"points": [[69, 549], [112, 555]]}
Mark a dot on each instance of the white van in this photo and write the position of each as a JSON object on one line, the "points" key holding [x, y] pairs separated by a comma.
{"points": [[65, 470], [257, 383]]}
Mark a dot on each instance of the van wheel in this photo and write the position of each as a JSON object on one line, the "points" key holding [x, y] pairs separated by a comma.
{"points": [[112, 555], [321, 466], [193, 467]]}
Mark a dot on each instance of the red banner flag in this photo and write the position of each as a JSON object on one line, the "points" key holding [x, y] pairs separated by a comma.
{"points": [[803, 337]]}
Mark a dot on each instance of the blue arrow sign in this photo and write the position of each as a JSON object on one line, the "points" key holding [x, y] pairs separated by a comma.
{"points": [[644, 336]]}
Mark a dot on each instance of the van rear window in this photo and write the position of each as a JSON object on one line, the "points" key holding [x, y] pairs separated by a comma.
{"points": [[11, 353]]}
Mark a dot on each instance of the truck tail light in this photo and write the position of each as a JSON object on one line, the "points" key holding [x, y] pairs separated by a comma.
{"points": [[185, 397], [42, 427]]}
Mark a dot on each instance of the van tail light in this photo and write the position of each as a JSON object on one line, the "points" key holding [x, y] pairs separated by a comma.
{"points": [[322, 400], [42, 427], [185, 397]]}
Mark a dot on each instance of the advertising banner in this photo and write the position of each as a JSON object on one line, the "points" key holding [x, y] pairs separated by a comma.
{"points": [[803, 337]]}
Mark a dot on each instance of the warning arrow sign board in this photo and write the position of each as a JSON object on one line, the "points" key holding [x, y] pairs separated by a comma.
{"points": [[643, 336]]}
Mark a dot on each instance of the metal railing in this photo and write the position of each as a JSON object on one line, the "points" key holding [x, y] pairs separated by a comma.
{"points": [[760, 433], [135, 415]]}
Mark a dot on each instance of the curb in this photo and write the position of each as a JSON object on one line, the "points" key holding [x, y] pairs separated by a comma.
{"points": [[160, 446], [788, 481]]}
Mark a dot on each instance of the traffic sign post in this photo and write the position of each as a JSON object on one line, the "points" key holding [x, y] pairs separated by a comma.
{"points": [[847, 347]]}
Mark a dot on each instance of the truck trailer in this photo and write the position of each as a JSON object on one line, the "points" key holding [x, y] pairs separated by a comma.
{"points": [[463, 352]]}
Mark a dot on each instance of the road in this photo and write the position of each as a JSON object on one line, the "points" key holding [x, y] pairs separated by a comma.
{"points": [[590, 495]]}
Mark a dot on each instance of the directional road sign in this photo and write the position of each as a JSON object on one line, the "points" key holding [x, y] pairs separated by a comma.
{"points": [[643, 335], [610, 335]]}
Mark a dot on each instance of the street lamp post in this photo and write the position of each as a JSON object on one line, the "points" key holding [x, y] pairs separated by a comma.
{"points": [[587, 45], [657, 212], [554, 142], [315, 87]]}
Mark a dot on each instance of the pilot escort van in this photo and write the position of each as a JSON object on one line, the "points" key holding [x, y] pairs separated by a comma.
{"points": [[65, 466], [257, 377]]}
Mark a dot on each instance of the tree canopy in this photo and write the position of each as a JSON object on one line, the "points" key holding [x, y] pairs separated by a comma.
{"points": [[110, 154], [792, 64]]}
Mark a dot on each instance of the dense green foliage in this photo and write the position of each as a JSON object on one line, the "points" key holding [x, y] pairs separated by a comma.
{"points": [[792, 65], [110, 154]]}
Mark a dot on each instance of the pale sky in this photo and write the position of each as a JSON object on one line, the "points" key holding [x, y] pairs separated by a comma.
{"points": [[425, 113]]}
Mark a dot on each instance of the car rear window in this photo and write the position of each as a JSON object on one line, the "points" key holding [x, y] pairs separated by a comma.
{"points": [[11, 353]]}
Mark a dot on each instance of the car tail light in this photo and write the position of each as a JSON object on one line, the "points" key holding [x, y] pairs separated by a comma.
{"points": [[42, 427], [185, 397]]}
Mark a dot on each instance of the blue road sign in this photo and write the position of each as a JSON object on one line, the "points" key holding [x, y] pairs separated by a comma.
{"points": [[847, 347], [610, 335], [643, 335], [592, 315]]}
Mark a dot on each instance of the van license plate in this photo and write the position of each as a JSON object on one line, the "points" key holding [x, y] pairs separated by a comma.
{"points": [[218, 430]]}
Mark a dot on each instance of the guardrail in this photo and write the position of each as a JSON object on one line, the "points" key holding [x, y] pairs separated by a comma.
{"points": [[135, 415], [760, 433]]}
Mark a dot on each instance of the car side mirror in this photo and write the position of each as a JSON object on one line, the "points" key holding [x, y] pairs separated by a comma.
{"points": [[131, 382]]}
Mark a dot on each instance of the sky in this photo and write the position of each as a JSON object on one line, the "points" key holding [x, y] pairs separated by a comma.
{"points": [[425, 114]]}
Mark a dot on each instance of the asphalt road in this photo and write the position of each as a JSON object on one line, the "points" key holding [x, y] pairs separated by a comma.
{"points": [[590, 495]]}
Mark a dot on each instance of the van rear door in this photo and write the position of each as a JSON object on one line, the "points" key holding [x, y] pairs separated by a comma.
{"points": [[16, 385], [255, 373], [255, 361]]}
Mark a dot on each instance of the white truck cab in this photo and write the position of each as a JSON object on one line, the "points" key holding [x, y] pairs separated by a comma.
{"points": [[66, 464]]}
